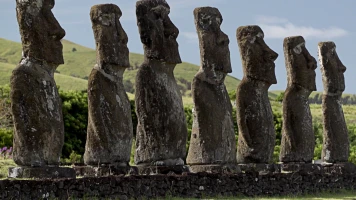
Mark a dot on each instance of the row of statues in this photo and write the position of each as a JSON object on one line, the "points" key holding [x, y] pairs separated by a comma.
{"points": [[162, 131]]}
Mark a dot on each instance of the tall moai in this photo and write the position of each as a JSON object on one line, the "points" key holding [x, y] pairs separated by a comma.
{"points": [[36, 105], [298, 140], [213, 137], [336, 145], [109, 135], [161, 131], [254, 113]]}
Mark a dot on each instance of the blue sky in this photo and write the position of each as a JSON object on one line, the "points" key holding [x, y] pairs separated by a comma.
{"points": [[315, 20]]}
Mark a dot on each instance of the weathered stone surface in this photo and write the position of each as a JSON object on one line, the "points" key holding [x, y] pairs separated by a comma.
{"points": [[221, 169], [213, 136], [298, 140], [161, 131], [254, 112], [41, 172], [336, 145], [168, 170], [260, 168], [110, 132], [188, 185], [36, 106], [104, 170]]}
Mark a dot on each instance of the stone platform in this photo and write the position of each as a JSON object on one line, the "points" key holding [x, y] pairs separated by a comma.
{"points": [[169, 170], [41, 172], [326, 168], [223, 169], [260, 168], [95, 171]]}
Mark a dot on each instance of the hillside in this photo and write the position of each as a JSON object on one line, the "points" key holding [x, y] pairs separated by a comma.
{"points": [[79, 61], [316, 97]]}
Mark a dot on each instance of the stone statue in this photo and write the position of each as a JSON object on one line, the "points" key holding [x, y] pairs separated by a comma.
{"points": [[213, 137], [298, 140], [254, 112], [161, 131], [109, 135], [336, 145], [35, 102], [36, 106]]}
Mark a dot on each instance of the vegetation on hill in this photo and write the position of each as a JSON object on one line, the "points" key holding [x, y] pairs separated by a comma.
{"points": [[316, 97], [79, 61]]}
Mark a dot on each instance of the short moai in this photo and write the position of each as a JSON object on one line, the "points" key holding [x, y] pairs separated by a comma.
{"points": [[109, 135], [161, 131], [336, 145], [35, 102], [298, 140], [254, 113], [213, 137]]}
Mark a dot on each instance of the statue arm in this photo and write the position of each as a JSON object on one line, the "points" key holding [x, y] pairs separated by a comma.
{"points": [[242, 122]]}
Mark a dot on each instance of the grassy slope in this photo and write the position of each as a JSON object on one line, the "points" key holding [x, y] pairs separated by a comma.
{"points": [[65, 82], [80, 62], [312, 95]]}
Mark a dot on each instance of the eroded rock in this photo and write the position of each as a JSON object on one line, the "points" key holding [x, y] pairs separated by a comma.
{"points": [[298, 140], [336, 144], [161, 131], [36, 106], [254, 112], [109, 135], [213, 137]]}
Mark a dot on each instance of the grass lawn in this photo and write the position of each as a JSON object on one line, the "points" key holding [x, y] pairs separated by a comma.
{"points": [[351, 195], [4, 165]]}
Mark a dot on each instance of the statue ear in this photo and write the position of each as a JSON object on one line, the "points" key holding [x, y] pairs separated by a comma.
{"points": [[144, 29], [143, 24]]}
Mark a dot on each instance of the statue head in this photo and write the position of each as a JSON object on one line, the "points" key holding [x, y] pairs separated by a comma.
{"points": [[257, 58], [299, 63], [41, 33], [158, 33], [214, 44], [332, 68], [111, 39]]}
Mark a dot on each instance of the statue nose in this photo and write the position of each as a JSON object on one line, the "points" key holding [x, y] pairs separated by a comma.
{"points": [[272, 54], [223, 39]]}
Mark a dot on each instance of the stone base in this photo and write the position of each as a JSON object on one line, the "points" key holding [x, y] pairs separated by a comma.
{"points": [[169, 170], [260, 168], [327, 168], [339, 168], [223, 169], [41, 172], [303, 168], [91, 171]]}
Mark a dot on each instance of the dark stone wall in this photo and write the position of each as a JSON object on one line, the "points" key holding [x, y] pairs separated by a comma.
{"points": [[187, 185]]}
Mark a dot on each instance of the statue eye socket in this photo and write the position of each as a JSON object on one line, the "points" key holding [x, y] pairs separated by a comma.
{"points": [[157, 15]]}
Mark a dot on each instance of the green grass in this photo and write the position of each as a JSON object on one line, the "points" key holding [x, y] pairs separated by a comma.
{"points": [[4, 165], [65, 82], [79, 64], [342, 195]]}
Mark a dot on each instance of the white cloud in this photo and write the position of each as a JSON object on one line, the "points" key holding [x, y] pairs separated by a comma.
{"points": [[191, 37], [275, 27]]}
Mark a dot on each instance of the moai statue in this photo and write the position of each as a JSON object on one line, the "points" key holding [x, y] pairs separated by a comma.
{"points": [[254, 112], [161, 131], [213, 137], [109, 135], [298, 140], [36, 106], [336, 143]]}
